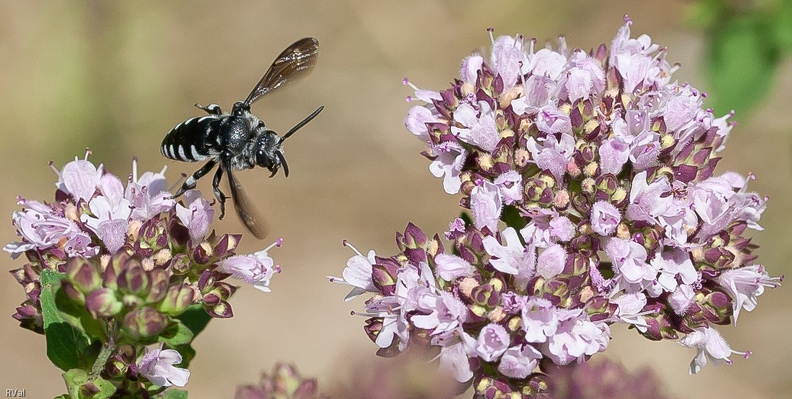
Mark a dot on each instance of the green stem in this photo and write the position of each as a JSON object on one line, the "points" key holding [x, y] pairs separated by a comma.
{"points": [[107, 350]]}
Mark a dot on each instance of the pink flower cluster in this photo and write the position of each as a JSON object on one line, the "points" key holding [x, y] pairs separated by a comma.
{"points": [[589, 178], [110, 239]]}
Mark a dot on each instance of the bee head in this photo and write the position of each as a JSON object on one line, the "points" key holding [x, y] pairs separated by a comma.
{"points": [[269, 153], [269, 149]]}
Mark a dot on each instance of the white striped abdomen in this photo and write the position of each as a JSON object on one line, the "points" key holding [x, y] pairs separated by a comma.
{"points": [[194, 140]]}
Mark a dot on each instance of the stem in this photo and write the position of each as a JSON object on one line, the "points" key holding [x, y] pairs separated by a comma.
{"points": [[101, 360], [107, 350]]}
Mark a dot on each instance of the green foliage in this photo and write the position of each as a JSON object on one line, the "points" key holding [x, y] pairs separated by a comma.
{"points": [[176, 334], [67, 346], [82, 386], [747, 41], [195, 318], [511, 216], [172, 394]]}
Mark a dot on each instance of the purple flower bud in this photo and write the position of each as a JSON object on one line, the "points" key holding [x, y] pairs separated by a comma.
{"points": [[72, 292], [485, 295], [180, 264], [144, 324], [226, 245], [177, 300], [202, 253], [83, 274], [160, 279], [221, 310], [382, 279], [103, 303], [133, 279], [414, 237]]}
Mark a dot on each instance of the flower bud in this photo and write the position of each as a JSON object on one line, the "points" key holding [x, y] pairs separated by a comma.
{"points": [[202, 254], [144, 324], [180, 264], [485, 295], [718, 307], [133, 279], [159, 278], [226, 244], [221, 310], [103, 303], [373, 327], [177, 300], [383, 279], [113, 268], [83, 275], [414, 237], [72, 293]]}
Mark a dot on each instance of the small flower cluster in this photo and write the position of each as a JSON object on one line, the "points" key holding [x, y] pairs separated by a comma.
{"points": [[284, 383], [132, 261], [409, 376], [603, 378], [590, 181]]}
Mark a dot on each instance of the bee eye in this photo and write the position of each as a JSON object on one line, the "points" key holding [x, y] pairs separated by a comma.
{"points": [[263, 159]]}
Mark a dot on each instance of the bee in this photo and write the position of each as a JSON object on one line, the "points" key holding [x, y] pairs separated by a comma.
{"points": [[239, 140]]}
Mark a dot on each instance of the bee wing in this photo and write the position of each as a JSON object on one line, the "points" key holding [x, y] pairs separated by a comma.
{"points": [[244, 208], [293, 63]]}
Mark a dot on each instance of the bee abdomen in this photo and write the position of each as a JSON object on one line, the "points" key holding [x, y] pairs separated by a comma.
{"points": [[192, 140]]}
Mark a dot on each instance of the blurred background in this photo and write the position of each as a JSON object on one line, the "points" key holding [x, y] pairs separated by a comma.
{"points": [[117, 76]]}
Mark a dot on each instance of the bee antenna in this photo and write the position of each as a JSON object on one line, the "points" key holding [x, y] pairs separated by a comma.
{"points": [[301, 124], [283, 162]]}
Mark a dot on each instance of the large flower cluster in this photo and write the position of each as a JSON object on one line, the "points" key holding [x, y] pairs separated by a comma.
{"points": [[132, 261], [589, 177]]}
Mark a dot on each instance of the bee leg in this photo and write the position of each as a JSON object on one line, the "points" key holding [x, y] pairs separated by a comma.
{"points": [[221, 198], [211, 109], [189, 184]]}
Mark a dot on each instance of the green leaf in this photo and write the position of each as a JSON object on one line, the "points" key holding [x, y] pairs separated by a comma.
{"points": [[511, 216], [176, 334], [188, 354], [466, 218], [172, 394], [195, 318], [705, 13], [77, 315], [67, 347], [782, 26], [76, 379], [743, 59]]}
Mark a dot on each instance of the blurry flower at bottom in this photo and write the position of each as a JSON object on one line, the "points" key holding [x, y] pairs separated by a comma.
{"points": [[158, 366], [602, 379], [411, 375], [285, 382]]}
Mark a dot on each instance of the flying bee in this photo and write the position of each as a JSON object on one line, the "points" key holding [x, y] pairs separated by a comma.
{"points": [[239, 140]]}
